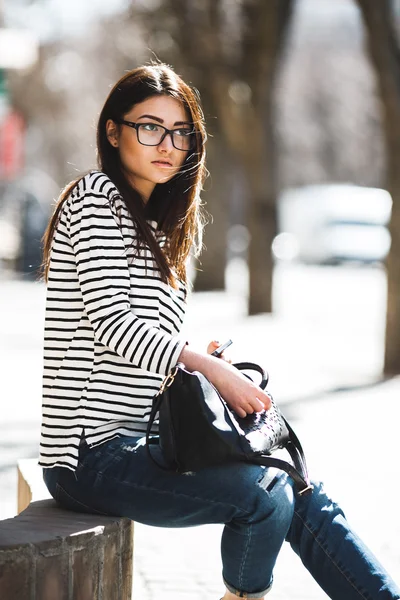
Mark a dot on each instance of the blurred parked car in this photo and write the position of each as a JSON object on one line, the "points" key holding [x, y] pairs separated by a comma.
{"points": [[333, 223]]}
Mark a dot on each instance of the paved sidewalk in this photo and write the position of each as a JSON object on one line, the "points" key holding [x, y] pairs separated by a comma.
{"points": [[323, 348]]}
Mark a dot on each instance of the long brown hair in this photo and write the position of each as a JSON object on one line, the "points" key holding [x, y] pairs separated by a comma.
{"points": [[175, 203]]}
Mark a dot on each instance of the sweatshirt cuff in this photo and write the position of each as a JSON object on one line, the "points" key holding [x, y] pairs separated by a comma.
{"points": [[177, 347]]}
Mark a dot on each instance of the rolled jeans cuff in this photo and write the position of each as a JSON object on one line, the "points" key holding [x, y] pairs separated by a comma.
{"points": [[241, 594]]}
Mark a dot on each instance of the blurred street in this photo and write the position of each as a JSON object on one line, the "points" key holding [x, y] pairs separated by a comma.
{"points": [[323, 347]]}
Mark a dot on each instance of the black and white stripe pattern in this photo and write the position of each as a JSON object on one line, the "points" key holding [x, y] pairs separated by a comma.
{"points": [[111, 327]]}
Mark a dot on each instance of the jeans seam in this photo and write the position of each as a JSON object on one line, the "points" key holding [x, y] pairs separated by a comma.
{"points": [[242, 564], [310, 530]]}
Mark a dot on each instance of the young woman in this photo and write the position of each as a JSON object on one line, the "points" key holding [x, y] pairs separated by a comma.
{"points": [[115, 259]]}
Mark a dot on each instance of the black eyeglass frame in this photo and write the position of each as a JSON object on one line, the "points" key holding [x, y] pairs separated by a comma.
{"points": [[170, 132]]}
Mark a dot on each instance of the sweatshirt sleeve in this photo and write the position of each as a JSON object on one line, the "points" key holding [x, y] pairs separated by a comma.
{"points": [[105, 282]]}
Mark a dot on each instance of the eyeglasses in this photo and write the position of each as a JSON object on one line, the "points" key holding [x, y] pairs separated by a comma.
{"points": [[152, 134]]}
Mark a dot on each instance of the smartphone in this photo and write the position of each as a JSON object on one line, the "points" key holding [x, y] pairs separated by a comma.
{"points": [[218, 351]]}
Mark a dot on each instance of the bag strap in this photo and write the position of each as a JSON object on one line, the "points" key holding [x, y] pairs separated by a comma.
{"points": [[302, 484], [157, 400], [296, 451], [298, 471], [249, 366], [156, 405]]}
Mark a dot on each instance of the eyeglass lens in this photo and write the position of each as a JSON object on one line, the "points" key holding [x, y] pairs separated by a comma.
{"points": [[151, 134]]}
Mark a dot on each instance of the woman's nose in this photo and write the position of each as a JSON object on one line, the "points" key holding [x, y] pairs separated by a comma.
{"points": [[166, 144]]}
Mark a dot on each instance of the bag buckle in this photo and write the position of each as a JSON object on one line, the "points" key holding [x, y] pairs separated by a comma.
{"points": [[169, 379], [306, 490]]}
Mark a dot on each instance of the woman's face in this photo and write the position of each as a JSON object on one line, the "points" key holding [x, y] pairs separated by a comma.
{"points": [[145, 166]]}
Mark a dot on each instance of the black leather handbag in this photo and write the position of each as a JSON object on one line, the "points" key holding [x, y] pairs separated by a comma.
{"points": [[197, 429]]}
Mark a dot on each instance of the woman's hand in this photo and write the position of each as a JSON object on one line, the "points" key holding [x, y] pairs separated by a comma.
{"points": [[212, 346], [240, 393]]}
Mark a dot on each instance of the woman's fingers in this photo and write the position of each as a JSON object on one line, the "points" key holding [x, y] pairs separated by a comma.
{"points": [[257, 404], [213, 345], [241, 412], [254, 405], [265, 399]]}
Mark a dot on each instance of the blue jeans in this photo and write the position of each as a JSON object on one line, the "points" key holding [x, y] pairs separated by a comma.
{"points": [[257, 506]]}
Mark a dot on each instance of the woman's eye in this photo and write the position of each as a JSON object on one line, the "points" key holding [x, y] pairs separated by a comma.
{"points": [[183, 132], [150, 126]]}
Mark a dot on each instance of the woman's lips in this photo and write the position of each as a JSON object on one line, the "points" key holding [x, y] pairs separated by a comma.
{"points": [[162, 164]]}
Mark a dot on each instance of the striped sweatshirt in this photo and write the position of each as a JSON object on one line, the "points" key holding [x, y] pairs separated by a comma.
{"points": [[111, 325]]}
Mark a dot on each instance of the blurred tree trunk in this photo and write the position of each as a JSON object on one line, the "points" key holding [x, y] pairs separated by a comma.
{"points": [[245, 109], [384, 50], [231, 51]]}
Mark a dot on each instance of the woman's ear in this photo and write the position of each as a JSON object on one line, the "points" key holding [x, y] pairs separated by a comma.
{"points": [[112, 133]]}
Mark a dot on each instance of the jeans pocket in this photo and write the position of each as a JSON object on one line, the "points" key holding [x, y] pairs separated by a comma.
{"points": [[65, 500]]}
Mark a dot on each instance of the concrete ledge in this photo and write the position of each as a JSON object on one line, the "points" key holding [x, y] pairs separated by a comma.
{"points": [[47, 553]]}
